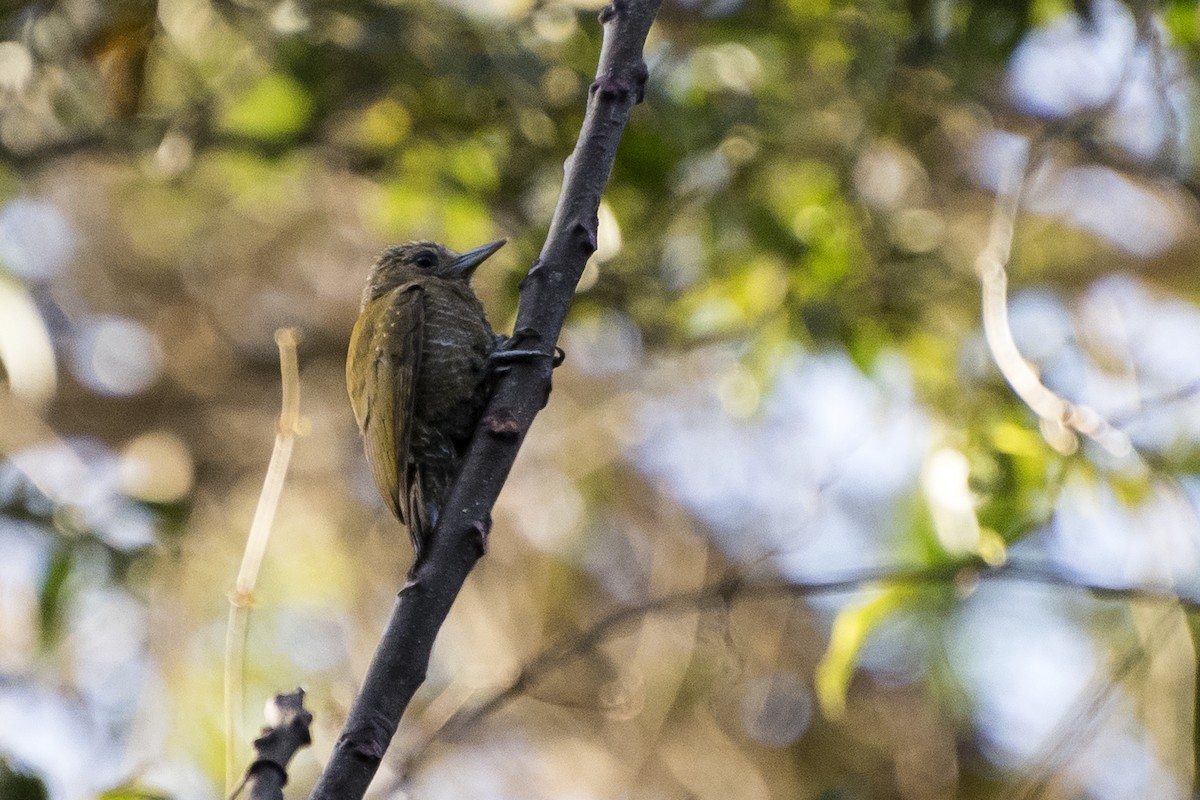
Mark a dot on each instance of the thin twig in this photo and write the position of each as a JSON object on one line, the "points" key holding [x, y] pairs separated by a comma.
{"points": [[1189, 391], [738, 588], [1082, 721], [242, 596], [402, 657]]}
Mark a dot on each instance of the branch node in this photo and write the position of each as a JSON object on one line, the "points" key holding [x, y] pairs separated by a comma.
{"points": [[587, 235], [611, 11], [641, 74], [535, 273], [729, 589], [266, 765], [242, 598], [369, 740], [611, 87], [481, 528], [366, 748], [502, 424], [547, 385]]}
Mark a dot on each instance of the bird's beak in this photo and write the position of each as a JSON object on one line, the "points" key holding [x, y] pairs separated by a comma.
{"points": [[466, 263]]}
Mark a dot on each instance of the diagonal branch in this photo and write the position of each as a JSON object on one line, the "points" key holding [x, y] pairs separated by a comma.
{"points": [[1081, 723], [402, 657]]}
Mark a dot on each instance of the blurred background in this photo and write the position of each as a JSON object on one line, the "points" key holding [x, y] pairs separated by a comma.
{"points": [[776, 370]]}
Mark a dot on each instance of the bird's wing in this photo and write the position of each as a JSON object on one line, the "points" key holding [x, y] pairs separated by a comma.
{"points": [[381, 374]]}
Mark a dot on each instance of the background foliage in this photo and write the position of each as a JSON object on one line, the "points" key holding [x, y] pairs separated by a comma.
{"points": [[776, 370]]}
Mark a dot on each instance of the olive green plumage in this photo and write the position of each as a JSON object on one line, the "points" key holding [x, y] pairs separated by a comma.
{"points": [[417, 373]]}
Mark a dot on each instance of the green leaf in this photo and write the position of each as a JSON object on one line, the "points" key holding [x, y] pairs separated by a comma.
{"points": [[1181, 20], [1043, 11], [851, 628], [134, 793], [50, 600], [277, 107]]}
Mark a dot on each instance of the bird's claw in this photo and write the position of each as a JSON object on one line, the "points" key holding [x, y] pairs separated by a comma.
{"points": [[509, 352]]}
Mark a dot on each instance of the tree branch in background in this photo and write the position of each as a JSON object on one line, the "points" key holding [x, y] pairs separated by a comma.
{"points": [[242, 596], [288, 731], [1084, 720], [961, 576], [402, 657]]}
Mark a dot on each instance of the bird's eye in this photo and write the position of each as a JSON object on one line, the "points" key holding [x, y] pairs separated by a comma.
{"points": [[425, 260]]}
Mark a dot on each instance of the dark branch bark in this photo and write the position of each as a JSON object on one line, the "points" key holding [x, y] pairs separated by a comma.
{"points": [[399, 665], [273, 750]]}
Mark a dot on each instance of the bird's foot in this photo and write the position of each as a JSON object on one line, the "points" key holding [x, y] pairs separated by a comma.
{"points": [[509, 351]]}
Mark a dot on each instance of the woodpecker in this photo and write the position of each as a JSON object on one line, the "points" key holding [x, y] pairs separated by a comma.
{"points": [[419, 375]]}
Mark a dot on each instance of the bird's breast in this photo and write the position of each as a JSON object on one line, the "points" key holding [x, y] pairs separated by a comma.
{"points": [[456, 343]]}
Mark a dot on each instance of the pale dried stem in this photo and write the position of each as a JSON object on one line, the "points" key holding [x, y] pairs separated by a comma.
{"points": [[242, 596], [1061, 419]]}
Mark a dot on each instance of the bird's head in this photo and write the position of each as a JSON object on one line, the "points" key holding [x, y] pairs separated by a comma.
{"points": [[414, 260]]}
